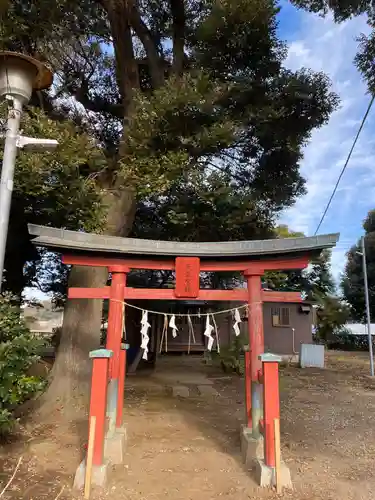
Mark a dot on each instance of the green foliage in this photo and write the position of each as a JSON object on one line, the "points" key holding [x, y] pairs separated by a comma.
{"points": [[316, 281], [58, 187], [331, 314], [234, 102], [232, 357], [31, 26], [318, 284], [319, 278], [283, 231], [51, 188], [208, 135], [18, 352], [206, 209], [279, 280], [352, 282], [343, 340], [342, 10]]}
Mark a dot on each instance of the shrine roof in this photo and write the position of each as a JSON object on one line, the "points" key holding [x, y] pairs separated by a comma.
{"points": [[63, 240]]}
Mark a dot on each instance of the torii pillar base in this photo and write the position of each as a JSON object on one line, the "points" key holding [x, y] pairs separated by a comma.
{"points": [[99, 474], [115, 445], [266, 477], [252, 449]]}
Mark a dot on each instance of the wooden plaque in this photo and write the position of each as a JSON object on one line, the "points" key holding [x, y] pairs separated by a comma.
{"points": [[187, 277]]}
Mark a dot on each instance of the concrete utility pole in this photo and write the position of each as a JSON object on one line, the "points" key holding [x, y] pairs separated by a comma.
{"points": [[19, 76], [368, 316]]}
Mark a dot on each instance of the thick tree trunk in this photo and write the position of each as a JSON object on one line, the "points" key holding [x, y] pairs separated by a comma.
{"points": [[70, 377], [179, 22], [82, 318]]}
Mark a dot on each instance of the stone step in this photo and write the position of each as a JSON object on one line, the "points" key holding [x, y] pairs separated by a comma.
{"points": [[180, 391], [207, 390]]}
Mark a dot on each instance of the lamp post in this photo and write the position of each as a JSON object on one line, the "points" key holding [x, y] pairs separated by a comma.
{"points": [[19, 76], [367, 299]]}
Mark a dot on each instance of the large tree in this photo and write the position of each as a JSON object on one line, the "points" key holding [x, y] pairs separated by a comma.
{"points": [[181, 95], [353, 279]]}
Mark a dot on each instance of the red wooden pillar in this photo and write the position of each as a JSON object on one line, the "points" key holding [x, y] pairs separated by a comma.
{"points": [[114, 335], [115, 316], [256, 338], [271, 404], [121, 386], [98, 399]]}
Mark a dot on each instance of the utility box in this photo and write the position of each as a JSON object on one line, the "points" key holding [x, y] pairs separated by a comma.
{"points": [[311, 356]]}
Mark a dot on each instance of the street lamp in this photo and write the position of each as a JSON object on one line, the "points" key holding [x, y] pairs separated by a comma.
{"points": [[19, 76], [368, 316]]}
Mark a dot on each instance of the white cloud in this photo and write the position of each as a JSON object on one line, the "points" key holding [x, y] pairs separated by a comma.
{"points": [[322, 45]]}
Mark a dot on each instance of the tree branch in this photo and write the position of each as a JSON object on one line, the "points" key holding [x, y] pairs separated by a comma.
{"points": [[178, 15], [119, 14], [42, 100], [155, 63], [97, 103]]}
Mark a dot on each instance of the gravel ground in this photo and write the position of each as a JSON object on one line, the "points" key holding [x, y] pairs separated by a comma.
{"points": [[188, 448]]}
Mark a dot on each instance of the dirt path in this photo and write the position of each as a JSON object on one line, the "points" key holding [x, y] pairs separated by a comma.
{"points": [[188, 447]]}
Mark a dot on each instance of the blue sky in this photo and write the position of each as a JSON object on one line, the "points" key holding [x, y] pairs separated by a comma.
{"points": [[320, 44]]}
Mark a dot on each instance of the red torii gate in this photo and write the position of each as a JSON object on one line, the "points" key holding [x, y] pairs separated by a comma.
{"points": [[261, 370]]}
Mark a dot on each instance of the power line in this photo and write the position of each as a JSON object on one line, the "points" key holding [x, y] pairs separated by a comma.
{"points": [[346, 163]]}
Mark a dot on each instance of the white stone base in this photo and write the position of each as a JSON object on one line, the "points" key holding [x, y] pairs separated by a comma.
{"points": [[98, 476], [114, 446], [251, 449], [266, 476]]}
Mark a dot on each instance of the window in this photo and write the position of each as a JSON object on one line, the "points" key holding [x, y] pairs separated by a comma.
{"points": [[280, 316]]}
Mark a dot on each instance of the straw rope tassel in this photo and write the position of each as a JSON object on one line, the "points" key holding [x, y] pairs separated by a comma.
{"points": [[189, 329], [164, 334], [191, 332], [192, 329], [216, 334]]}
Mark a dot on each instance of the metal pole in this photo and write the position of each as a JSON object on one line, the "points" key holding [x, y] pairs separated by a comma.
{"points": [[7, 175], [364, 264]]}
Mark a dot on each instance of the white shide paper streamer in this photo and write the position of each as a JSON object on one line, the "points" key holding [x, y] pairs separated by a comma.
{"points": [[237, 321], [208, 333], [145, 325], [172, 325]]}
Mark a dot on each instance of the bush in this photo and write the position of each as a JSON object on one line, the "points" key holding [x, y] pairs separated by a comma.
{"points": [[18, 352], [232, 357], [348, 342]]}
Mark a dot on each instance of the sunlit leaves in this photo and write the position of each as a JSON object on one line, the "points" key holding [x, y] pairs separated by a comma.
{"points": [[58, 187], [342, 10]]}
